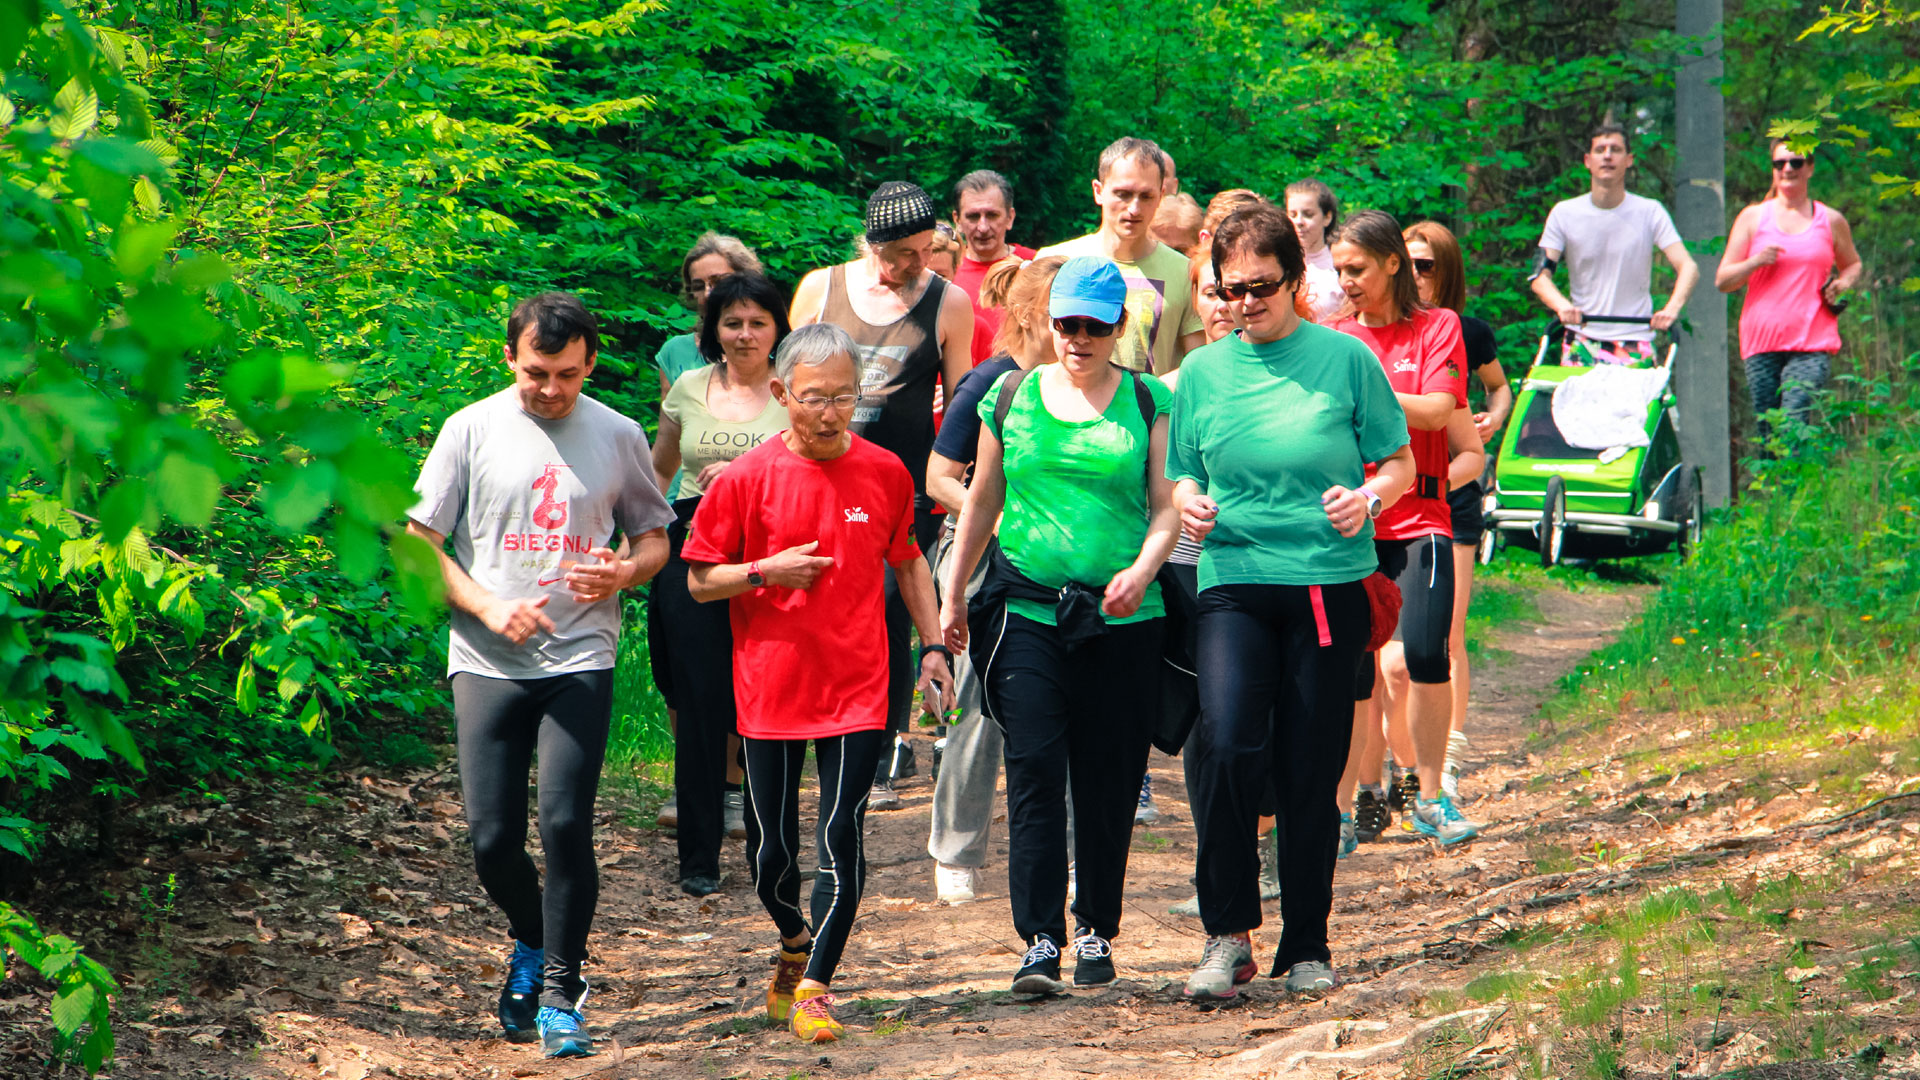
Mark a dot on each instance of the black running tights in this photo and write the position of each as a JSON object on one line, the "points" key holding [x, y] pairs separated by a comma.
{"points": [[845, 764], [501, 723]]}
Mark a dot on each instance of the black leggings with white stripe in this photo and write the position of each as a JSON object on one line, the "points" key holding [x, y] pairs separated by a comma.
{"points": [[846, 764]]}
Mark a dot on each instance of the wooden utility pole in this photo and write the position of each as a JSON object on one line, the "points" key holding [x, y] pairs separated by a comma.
{"points": [[1700, 213]]}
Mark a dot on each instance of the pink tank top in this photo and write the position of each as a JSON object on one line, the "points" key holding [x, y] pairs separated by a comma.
{"points": [[1783, 312]]}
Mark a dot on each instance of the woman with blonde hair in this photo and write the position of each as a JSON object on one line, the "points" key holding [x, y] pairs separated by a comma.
{"points": [[1795, 257]]}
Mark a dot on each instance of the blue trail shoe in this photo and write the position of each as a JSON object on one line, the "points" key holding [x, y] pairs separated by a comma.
{"points": [[563, 1032], [520, 998]]}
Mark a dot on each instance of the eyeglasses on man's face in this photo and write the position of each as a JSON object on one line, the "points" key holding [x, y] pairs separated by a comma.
{"points": [[843, 402]]}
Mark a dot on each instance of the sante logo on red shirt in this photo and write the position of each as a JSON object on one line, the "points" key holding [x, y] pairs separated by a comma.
{"points": [[856, 514]]}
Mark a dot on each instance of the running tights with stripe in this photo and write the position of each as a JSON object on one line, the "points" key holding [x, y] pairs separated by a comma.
{"points": [[845, 764], [501, 723], [1423, 568]]}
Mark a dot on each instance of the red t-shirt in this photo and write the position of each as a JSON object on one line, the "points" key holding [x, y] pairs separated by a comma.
{"points": [[1423, 354], [809, 663], [968, 275]]}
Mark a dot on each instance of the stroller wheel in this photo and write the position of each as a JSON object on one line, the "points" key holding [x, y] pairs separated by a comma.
{"points": [[1693, 506], [1553, 522]]}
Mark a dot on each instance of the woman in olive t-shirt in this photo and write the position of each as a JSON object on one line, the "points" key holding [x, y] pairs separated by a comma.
{"points": [[1076, 460], [711, 415]]}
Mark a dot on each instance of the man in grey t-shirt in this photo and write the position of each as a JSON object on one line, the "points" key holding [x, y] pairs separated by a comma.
{"points": [[533, 484], [1607, 238]]}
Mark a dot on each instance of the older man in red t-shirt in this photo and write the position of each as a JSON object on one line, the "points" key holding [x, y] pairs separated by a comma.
{"points": [[797, 532]]}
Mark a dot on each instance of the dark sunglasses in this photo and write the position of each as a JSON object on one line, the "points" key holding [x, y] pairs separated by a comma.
{"points": [[1789, 163], [1074, 325], [1260, 290], [1423, 266]]}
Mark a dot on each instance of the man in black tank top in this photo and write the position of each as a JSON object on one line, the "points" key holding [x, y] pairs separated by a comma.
{"points": [[914, 330]]}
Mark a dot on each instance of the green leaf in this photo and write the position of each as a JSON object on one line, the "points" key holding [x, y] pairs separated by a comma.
{"points": [[299, 497], [311, 715], [417, 573], [72, 1007], [294, 676], [123, 508], [147, 194], [188, 488], [128, 159], [246, 690], [17, 20], [137, 248], [77, 110]]}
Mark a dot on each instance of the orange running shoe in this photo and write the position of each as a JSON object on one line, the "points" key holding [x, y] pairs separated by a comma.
{"points": [[813, 1020], [787, 973]]}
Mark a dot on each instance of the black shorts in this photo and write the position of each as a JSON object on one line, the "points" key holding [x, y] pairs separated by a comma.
{"points": [[1469, 513], [1423, 569]]}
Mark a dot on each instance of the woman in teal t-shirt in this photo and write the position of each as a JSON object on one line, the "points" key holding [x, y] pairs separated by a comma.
{"points": [[1272, 431], [1075, 458]]}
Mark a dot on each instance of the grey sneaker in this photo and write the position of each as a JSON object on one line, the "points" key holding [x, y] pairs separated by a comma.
{"points": [[883, 797], [1145, 812], [1438, 818], [1226, 963], [734, 806], [1311, 977], [669, 815], [1270, 865], [1188, 908]]}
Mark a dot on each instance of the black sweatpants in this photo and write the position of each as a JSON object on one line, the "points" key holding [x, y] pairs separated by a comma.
{"points": [[1085, 713], [903, 666], [697, 647], [845, 764], [501, 723], [1274, 699]]}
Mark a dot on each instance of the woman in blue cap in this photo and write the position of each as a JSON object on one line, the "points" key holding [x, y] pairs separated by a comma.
{"points": [[1066, 629]]}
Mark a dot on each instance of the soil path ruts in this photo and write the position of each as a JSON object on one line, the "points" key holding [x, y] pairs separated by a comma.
{"points": [[351, 940]]}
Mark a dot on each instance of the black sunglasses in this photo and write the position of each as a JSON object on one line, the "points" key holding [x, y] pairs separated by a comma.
{"points": [[1423, 266], [1073, 325], [1789, 163], [1258, 289]]}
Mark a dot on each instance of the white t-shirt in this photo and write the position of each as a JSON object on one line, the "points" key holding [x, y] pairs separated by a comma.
{"points": [[1609, 258], [1322, 283], [522, 497]]}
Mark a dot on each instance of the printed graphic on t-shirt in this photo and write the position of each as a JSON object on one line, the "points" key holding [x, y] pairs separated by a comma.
{"points": [[855, 513], [880, 365], [551, 550], [1146, 300]]}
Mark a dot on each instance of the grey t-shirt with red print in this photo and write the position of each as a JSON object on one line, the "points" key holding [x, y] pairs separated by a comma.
{"points": [[523, 499]]}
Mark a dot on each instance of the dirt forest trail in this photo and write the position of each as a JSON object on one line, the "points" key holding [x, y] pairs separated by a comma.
{"points": [[350, 939]]}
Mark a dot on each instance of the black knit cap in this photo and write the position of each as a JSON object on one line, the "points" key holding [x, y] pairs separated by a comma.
{"points": [[898, 209]]}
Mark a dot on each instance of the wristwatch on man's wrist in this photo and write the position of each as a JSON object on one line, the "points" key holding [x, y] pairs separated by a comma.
{"points": [[754, 577], [1374, 505]]}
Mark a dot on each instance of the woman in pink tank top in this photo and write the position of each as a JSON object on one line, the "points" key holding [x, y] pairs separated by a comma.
{"points": [[1795, 257]]}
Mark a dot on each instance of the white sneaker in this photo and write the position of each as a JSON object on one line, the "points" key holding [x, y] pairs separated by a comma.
{"points": [[1073, 882], [956, 884], [734, 805]]}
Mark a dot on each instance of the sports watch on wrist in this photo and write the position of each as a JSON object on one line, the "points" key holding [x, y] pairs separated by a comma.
{"points": [[754, 577], [1374, 505]]}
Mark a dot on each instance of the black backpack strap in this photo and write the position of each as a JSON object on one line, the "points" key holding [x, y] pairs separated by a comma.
{"points": [[1003, 404], [1149, 412]]}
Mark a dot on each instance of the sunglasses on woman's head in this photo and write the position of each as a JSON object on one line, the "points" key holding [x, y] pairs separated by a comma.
{"points": [[1423, 266], [1257, 289], [1782, 163], [1073, 325]]}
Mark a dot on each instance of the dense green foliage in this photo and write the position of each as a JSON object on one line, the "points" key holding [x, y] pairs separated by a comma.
{"points": [[252, 254]]}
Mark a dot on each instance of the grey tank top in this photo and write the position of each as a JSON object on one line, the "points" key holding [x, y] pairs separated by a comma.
{"points": [[901, 364]]}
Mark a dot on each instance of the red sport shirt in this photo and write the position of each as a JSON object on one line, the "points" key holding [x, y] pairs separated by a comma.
{"points": [[1423, 354], [809, 663]]}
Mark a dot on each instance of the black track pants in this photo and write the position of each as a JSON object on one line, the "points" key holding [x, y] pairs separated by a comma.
{"points": [[1423, 569], [501, 723], [845, 764], [698, 650], [1085, 713], [1274, 700]]}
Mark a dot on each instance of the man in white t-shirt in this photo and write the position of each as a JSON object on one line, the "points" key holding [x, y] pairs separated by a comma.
{"points": [[1161, 327], [1607, 238]]}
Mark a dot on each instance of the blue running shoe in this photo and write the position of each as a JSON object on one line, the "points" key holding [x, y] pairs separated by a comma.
{"points": [[520, 998], [564, 1033], [1439, 819], [1349, 838]]}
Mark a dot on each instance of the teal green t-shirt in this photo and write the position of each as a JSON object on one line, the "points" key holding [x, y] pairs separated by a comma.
{"points": [[677, 356], [1264, 430], [1077, 506]]}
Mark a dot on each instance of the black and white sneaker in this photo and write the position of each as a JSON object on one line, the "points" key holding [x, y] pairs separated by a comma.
{"points": [[1093, 959], [1370, 816], [1405, 791], [1040, 969]]}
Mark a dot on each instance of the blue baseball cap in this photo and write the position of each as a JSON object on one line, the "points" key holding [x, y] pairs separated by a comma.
{"points": [[1090, 286]]}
